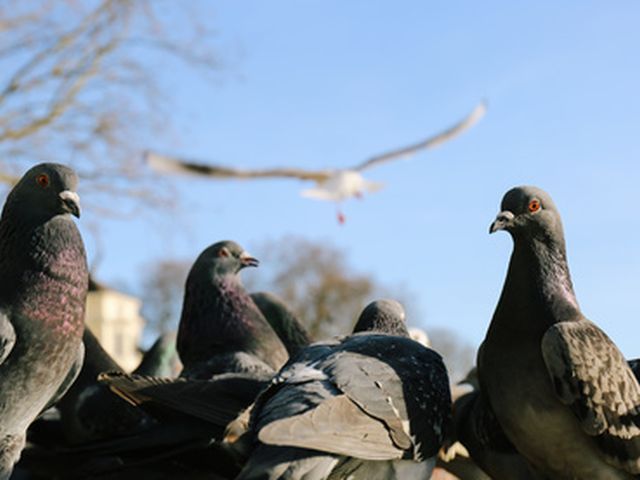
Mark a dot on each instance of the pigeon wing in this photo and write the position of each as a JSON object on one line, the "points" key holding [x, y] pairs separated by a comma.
{"points": [[351, 404], [7, 337], [167, 164], [217, 401], [433, 141], [591, 376], [338, 426]]}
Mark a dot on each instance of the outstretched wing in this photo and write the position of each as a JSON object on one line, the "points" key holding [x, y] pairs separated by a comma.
{"points": [[433, 141], [591, 376], [167, 164]]}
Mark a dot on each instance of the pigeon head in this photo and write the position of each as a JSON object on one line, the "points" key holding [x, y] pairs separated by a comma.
{"points": [[46, 190], [384, 316], [528, 212], [224, 258]]}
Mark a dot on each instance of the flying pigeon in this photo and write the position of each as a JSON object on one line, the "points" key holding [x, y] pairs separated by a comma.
{"points": [[559, 387], [221, 329], [334, 185], [43, 287], [371, 405]]}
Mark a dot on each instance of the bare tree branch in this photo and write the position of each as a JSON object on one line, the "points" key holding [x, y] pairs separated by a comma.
{"points": [[76, 87]]}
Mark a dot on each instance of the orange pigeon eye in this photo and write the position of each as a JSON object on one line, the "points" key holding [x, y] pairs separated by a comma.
{"points": [[43, 180], [534, 206]]}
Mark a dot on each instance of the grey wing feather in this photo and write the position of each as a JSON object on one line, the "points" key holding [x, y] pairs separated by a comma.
{"points": [[338, 426], [167, 164], [433, 141], [590, 375], [303, 408], [351, 404], [217, 401], [7, 337], [378, 398]]}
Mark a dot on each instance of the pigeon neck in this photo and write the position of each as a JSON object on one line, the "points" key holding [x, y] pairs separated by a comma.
{"points": [[539, 267], [220, 317], [44, 270]]}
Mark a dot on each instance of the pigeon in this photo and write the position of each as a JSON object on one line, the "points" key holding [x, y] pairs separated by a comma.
{"points": [[221, 398], [221, 329], [371, 405], [161, 360], [283, 321], [386, 316], [43, 288], [559, 387], [90, 411], [475, 428], [333, 185]]}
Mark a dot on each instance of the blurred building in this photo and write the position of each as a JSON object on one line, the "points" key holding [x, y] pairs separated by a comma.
{"points": [[114, 318]]}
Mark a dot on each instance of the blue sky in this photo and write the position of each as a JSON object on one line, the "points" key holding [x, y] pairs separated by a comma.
{"points": [[328, 83]]}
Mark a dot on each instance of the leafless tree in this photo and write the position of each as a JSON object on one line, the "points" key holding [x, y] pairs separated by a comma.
{"points": [[315, 280], [79, 84]]}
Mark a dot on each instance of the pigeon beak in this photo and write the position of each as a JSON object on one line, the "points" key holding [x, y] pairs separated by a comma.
{"points": [[502, 222], [248, 261], [70, 202]]}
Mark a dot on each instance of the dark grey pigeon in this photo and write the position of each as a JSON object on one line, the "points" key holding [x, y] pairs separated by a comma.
{"points": [[221, 329], [90, 411], [368, 406], [219, 399], [43, 287], [283, 321], [161, 360], [559, 387], [477, 429]]}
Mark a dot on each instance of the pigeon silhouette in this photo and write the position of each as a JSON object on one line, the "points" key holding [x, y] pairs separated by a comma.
{"points": [[43, 287], [221, 329], [559, 387], [372, 405]]}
